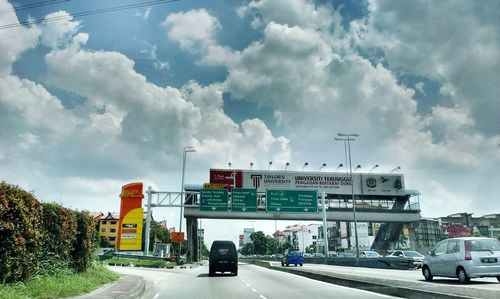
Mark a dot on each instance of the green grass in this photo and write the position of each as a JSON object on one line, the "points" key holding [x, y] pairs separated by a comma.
{"points": [[62, 284], [139, 263]]}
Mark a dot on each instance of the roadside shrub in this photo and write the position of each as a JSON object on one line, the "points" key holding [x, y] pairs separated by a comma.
{"points": [[20, 233], [84, 245], [59, 231]]}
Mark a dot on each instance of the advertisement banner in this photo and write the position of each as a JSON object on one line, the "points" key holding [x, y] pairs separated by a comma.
{"points": [[331, 182], [131, 217]]}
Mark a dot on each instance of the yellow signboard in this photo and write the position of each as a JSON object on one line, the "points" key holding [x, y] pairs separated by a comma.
{"points": [[131, 230], [214, 186]]}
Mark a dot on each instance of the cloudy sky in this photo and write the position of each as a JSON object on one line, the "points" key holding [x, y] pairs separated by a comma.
{"points": [[90, 103]]}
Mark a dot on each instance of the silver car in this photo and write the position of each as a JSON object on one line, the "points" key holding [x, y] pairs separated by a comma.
{"points": [[414, 255], [464, 258]]}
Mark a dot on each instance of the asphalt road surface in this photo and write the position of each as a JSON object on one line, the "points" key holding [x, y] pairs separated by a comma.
{"points": [[487, 283], [252, 282]]}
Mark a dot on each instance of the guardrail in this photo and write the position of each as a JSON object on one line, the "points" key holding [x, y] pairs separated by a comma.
{"points": [[397, 263]]}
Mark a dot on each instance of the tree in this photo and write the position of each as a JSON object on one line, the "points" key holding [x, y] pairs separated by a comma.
{"points": [[260, 242], [247, 249], [104, 242]]}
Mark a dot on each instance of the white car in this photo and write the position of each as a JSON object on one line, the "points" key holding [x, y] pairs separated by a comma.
{"points": [[369, 254], [464, 258]]}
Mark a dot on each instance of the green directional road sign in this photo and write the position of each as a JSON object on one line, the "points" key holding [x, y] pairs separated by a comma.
{"points": [[213, 200], [244, 200], [292, 201]]}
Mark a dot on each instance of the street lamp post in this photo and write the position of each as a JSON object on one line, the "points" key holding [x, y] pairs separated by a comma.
{"points": [[322, 166], [347, 138], [187, 149]]}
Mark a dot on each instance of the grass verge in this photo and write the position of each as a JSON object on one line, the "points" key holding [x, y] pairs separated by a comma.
{"points": [[64, 283], [139, 263]]}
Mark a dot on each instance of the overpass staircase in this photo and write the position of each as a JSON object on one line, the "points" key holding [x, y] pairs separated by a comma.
{"points": [[389, 232]]}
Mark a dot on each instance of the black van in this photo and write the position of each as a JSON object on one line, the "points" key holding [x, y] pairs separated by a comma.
{"points": [[223, 258]]}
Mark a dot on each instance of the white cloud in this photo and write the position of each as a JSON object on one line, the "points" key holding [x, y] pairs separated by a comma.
{"points": [[453, 42], [195, 31], [58, 33], [193, 28], [144, 15], [301, 13], [150, 52], [16, 40]]}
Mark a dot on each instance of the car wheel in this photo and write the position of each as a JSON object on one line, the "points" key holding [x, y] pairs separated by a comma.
{"points": [[295, 265], [287, 264], [427, 273], [211, 272], [235, 273], [282, 264], [462, 276], [301, 265]]}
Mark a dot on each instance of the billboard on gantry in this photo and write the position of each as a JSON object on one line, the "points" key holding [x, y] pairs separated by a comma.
{"points": [[330, 182]]}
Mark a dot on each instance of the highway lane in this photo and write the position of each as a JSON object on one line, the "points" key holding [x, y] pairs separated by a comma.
{"points": [[414, 276], [253, 282]]}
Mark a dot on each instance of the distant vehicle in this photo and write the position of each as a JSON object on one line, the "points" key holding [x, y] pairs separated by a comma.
{"points": [[369, 254], [279, 255], [389, 252], [292, 257], [318, 254], [223, 258], [345, 254], [463, 258], [414, 255], [307, 255]]}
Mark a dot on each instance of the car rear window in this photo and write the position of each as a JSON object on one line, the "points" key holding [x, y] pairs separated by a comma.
{"points": [[294, 253], [483, 245], [223, 250]]}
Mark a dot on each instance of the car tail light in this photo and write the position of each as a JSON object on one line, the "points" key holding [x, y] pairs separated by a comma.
{"points": [[468, 255]]}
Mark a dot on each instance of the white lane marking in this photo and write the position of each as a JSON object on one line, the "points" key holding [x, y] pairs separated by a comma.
{"points": [[156, 296], [250, 287]]}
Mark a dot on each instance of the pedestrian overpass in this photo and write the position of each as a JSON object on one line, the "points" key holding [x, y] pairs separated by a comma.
{"points": [[391, 210]]}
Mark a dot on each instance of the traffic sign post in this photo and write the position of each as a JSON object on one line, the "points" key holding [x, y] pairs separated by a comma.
{"points": [[213, 200], [244, 200], [298, 201]]}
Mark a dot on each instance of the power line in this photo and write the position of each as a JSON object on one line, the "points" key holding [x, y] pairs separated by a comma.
{"points": [[86, 13], [33, 5]]}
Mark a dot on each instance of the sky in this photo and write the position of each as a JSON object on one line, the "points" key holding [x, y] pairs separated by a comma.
{"points": [[90, 103]]}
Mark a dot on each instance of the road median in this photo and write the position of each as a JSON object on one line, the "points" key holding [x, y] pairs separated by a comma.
{"points": [[391, 287]]}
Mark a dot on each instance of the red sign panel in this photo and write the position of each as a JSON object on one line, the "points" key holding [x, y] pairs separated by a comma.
{"points": [[225, 176], [177, 237]]}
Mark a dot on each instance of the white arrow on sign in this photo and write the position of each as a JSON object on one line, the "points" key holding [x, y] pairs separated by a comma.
{"points": [[244, 209], [277, 209], [213, 208], [306, 209]]}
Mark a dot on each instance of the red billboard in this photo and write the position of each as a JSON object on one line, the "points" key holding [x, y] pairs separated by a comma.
{"points": [[226, 177]]}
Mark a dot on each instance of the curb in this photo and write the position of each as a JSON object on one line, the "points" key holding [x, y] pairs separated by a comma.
{"points": [[127, 287], [371, 286]]}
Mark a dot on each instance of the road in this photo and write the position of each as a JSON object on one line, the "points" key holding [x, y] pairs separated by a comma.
{"points": [[414, 276], [252, 282]]}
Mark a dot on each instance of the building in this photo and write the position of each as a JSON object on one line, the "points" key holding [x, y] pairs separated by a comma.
{"points": [[108, 227], [302, 236], [427, 234], [247, 232]]}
